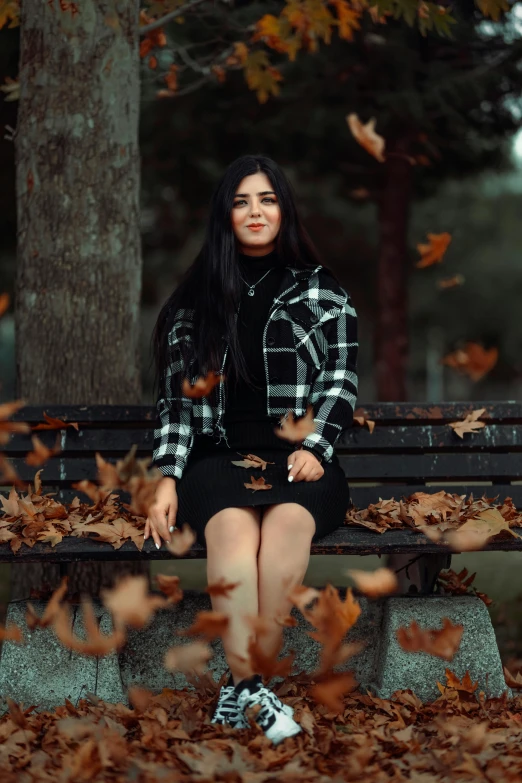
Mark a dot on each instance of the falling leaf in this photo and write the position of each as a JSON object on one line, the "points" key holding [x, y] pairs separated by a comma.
{"points": [[170, 586], [130, 602], [433, 252], [442, 643], [366, 136], [41, 453], [331, 690], [470, 423], [96, 642], [296, 430], [181, 541], [11, 633], [476, 532], [451, 282], [221, 588], [473, 360], [31, 618], [188, 657], [376, 583], [202, 387], [55, 424], [209, 624], [251, 461]]}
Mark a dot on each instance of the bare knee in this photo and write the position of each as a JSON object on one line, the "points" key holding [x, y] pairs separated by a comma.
{"points": [[234, 529], [288, 521]]}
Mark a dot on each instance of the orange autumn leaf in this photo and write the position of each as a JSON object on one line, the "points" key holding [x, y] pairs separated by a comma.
{"points": [[55, 424], [451, 282], [331, 690], [130, 603], [366, 136], [11, 633], [433, 252], [41, 453], [513, 680], [452, 681], [257, 484], [443, 643], [210, 624], [221, 588], [202, 387], [34, 621], [169, 585], [4, 303], [295, 429], [96, 643], [376, 583], [360, 417], [181, 541], [475, 533], [473, 360], [470, 423], [191, 657]]}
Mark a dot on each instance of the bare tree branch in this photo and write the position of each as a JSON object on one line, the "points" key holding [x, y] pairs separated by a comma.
{"points": [[170, 16]]}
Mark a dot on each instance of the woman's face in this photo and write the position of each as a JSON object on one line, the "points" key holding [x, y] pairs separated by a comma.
{"points": [[256, 216]]}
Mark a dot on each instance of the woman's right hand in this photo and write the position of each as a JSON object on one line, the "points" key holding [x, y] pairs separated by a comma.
{"points": [[162, 512]]}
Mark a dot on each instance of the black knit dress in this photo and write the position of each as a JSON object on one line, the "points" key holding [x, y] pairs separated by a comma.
{"points": [[210, 482]]}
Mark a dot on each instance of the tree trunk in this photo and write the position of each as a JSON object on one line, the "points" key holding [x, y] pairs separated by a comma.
{"points": [[391, 332], [79, 266]]}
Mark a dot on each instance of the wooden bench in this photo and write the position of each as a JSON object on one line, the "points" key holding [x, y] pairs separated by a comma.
{"points": [[412, 448]]}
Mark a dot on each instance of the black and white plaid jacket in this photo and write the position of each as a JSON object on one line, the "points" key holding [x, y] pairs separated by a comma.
{"points": [[310, 348]]}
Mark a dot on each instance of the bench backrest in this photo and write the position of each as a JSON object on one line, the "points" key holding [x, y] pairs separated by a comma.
{"points": [[411, 448]]}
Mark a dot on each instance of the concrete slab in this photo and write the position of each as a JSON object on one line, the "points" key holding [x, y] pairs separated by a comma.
{"points": [[42, 672], [478, 652], [141, 660]]}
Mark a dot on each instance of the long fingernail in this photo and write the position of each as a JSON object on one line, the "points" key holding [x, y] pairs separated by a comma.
{"points": [[290, 478], [290, 466], [158, 546], [171, 528]]}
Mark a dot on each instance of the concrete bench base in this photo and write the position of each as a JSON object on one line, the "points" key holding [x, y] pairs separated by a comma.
{"points": [[43, 673]]}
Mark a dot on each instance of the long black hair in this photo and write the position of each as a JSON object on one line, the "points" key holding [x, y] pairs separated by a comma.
{"points": [[211, 286]]}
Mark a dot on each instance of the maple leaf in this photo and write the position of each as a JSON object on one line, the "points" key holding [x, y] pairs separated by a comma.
{"points": [[221, 588], [209, 624], [513, 680], [492, 8], [181, 541], [433, 252], [442, 643], [50, 535], [296, 430], [376, 583], [251, 461], [347, 19], [130, 603], [360, 417], [470, 423], [41, 453], [366, 136], [473, 360], [11, 633], [452, 681], [331, 690], [96, 642], [9, 12], [477, 531], [31, 618], [170, 586], [257, 483], [188, 657], [55, 424], [202, 387]]}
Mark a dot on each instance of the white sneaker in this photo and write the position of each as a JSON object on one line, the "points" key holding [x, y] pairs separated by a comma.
{"points": [[273, 718]]}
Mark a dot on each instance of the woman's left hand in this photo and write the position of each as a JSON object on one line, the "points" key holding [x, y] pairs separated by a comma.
{"points": [[305, 466]]}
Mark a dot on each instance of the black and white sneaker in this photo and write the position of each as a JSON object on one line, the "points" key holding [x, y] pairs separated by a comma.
{"points": [[273, 717], [227, 709]]}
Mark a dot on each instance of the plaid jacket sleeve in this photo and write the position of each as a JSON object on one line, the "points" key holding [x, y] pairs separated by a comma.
{"points": [[174, 432], [334, 391]]}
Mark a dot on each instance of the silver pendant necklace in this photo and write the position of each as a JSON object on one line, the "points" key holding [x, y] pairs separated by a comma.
{"points": [[251, 291]]}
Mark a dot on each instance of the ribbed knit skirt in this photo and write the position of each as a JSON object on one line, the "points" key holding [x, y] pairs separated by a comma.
{"points": [[211, 482]]}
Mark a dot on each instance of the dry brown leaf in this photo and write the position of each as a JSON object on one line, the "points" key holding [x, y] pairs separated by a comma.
{"points": [[188, 657], [376, 583], [433, 252], [366, 136], [442, 643], [470, 423], [221, 588], [181, 541], [331, 690], [257, 484], [55, 424], [473, 360], [170, 586], [476, 532], [295, 429], [31, 618], [210, 624], [202, 387], [451, 282], [130, 603], [96, 642]]}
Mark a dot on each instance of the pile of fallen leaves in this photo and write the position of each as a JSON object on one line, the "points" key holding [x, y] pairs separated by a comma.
{"points": [[459, 521], [347, 735]]}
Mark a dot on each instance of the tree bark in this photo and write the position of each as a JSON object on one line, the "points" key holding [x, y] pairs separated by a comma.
{"points": [[79, 264], [391, 332]]}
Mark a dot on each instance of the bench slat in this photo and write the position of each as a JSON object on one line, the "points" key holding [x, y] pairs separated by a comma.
{"points": [[385, 412], [346, 540], [401, 439]]}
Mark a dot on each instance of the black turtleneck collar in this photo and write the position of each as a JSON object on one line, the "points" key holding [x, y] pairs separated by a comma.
{"points": [[259, 262]]}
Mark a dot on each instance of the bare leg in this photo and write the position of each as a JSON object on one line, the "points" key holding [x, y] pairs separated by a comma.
{"points": [[286, 536], [232, 537]]}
